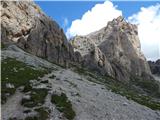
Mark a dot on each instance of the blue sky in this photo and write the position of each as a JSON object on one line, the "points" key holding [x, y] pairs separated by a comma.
{"points": [[60, 10]]}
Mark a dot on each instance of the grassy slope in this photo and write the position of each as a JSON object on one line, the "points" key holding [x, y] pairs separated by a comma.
{"points": [[18, 74]]}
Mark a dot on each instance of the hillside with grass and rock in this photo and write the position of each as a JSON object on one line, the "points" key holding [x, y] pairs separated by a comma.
{"points": [[100, 76]]}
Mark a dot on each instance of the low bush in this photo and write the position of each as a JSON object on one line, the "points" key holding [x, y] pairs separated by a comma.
{"points": [[63, 105]]}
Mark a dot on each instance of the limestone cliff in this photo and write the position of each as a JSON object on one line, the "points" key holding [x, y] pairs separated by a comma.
{"points": [[23, 23], [116, 50]]}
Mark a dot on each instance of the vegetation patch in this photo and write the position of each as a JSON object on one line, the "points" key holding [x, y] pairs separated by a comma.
{"points": [[63, 105], [13, 118], [43, 113], [31, 118], [37, 98], [18, 74], [2, 46], [149, 86]]}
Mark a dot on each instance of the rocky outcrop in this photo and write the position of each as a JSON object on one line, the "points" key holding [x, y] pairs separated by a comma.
{"points": [[115, 49], [155, 67], [93, 58], [24, 24]]}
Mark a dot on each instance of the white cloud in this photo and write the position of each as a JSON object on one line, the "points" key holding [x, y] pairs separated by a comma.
{"points": [[148, 20], [94, 19]]}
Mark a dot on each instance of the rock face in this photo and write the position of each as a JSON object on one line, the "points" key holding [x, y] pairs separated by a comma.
{"points": [[115, 50], [93, 57], [155, 67], [23, 23]]}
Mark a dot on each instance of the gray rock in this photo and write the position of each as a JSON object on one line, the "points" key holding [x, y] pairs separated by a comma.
{"points": [[27, 97], [92, 56], [9, 85], [114, 50], [24, 24], [155, 67]]}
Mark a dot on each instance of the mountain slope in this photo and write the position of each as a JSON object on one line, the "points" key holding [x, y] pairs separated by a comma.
{"points": [[90, 98]]}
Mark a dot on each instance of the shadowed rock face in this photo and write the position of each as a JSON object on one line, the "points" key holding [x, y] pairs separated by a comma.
{"points": [[24, 24], [155, 67], [114, 50]]}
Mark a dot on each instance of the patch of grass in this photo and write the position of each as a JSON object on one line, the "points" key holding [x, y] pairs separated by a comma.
{"points": [[37, 98], [12, 118], [4, 92], [2, 46], [31, 118], [27, 88], [136, 96], [63, 105], [43, 113], [149, 86], [18, 74]]}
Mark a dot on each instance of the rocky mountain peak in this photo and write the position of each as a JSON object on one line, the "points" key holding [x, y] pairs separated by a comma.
{"points": [[120, 45]]}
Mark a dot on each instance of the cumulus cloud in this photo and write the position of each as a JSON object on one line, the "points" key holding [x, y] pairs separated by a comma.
{"points": [[94, 19], [148, 20]]}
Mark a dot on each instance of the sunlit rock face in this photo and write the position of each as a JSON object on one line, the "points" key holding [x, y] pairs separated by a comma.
{"points": [[114, 50], [23, 23]]}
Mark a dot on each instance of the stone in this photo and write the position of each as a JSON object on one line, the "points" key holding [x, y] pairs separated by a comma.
{"points": [[27, 97], [9, 85]]}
